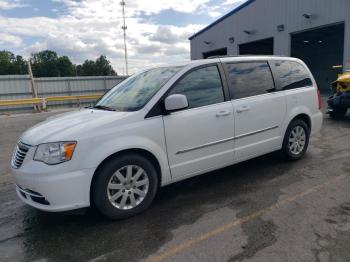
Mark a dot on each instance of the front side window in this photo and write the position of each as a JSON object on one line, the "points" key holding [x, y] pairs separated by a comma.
{"points": [[292, 75], [133, 93], [249, 79], [201, 87]]}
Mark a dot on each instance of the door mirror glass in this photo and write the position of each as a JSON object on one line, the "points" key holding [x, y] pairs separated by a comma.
{"points": [[175, 102]]}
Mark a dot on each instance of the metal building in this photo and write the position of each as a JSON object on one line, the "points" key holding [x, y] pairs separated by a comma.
{"points": [[317, 31]]}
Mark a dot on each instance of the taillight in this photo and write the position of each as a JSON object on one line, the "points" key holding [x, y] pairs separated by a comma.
{"points": [[319, 100]]}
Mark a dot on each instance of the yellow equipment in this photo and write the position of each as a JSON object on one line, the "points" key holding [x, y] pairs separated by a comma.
{"points": [[339, 102], [342, 84]]}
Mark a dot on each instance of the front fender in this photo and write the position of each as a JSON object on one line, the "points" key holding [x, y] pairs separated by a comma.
{"points": [[103, 150]]}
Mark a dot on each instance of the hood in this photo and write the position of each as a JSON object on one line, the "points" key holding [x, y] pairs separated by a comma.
{"points": [[70, 126]]}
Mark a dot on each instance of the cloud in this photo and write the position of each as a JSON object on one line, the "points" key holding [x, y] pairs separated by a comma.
{"points": [[233, 2], [33, 48], [10, 39], [177, 51], [168, 35], [156, 6], [214, 13], [149, 49], [11, 4], [89, 28]]}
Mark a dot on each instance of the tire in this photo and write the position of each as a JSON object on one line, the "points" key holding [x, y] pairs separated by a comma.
{"points": [[300, 143], [109, 189], [337, 113]]}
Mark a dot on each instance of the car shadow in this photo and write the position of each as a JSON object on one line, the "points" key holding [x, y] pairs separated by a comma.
{"points": [[84, 234]]}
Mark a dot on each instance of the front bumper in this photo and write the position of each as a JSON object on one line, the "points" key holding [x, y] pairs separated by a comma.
{"points": [[54, 192]]}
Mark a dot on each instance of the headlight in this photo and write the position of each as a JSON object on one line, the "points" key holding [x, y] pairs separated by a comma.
{"points": [[55, 153]]}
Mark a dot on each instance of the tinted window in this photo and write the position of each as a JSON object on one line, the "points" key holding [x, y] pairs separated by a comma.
{"points": [[292, 75], [202, 87], [249, 79]]}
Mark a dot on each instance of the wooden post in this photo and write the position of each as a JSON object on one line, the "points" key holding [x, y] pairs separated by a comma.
{"points": [[33, 86], [69, 91], [105, 84]]}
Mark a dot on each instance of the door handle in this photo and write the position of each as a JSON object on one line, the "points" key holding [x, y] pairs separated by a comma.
{"points": [[223, 113], [243, 109]]}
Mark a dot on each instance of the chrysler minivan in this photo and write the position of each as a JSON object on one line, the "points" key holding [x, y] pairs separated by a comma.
{"points": [[164, 125]]}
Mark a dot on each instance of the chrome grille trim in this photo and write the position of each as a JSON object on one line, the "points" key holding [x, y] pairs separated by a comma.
{"points": [[19, 155]]}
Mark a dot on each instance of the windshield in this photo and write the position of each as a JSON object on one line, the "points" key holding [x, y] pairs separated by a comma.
{"points": [[133, 93]]}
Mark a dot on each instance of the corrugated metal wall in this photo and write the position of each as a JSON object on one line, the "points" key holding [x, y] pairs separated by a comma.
{"points": [[263, 16], [18, 86]]}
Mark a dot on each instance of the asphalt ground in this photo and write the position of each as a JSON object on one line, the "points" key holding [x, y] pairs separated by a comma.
{"points": [[265, 209]]}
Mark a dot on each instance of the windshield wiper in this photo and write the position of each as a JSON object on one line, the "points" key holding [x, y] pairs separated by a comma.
{"points": [[104, 108]]}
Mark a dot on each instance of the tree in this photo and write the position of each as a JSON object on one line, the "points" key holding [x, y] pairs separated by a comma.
{"points": [[45, 64], [103, 66], [20, 66], [100, 67], [48, 64], [11, 64], [65, 66], [88, 68]]}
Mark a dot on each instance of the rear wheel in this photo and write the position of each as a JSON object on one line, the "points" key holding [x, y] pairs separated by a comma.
{"points": [[125, 186], [296, 139]]}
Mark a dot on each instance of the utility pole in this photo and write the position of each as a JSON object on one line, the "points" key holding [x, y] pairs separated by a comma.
{"points": [[33, 86], [124, 27]]}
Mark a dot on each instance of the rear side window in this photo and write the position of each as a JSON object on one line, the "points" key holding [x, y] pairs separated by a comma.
{"points": [[249, 79], [201, 87], [291, 75]]}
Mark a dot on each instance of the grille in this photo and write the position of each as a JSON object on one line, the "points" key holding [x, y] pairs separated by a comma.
{"points": [[19, 155]]}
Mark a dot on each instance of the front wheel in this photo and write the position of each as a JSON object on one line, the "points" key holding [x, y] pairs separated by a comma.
{"points": [[296, 140], [125, 186]]}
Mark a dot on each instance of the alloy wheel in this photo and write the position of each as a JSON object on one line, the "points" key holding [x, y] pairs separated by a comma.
{"points": [[128, 187], [297, 140]]}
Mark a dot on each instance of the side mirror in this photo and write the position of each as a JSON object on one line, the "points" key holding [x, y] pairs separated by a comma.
{"points": [[175, 102]]}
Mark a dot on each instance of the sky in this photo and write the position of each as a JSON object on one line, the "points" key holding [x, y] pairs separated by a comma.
{"points": [[157, 33]]}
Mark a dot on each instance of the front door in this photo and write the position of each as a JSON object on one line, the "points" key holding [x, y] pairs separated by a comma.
{"points": [[259, 109], [200, 138]]}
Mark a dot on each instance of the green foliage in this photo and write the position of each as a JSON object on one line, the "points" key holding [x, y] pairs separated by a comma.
{"points": [[45, 64], [11, 64], [100, 67], [103, 66], [48, 64], [65, 66]]}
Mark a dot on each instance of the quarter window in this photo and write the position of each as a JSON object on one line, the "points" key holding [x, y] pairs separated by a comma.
{"points": [[202, 87], [249, 79], [292, 75]]}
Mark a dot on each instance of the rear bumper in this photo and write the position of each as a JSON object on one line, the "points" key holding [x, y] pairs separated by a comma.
{"points": [[54, 192], [316, 122]]}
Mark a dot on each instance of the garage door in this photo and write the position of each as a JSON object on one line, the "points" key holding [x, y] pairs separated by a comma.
{"points": [[261, 47], [322, 50], [217, 52]]}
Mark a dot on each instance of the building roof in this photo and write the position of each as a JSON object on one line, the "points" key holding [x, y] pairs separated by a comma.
{"points": [[222, 18]]}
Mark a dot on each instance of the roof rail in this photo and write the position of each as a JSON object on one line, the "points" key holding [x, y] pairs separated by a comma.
{"points": [[224, 56], [220, 56]]}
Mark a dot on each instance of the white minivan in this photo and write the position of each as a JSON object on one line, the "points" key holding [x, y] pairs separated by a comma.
{"points": [[163, 125]]}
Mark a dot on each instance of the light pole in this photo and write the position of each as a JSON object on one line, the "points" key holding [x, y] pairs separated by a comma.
{"points": [[124, 27]]}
